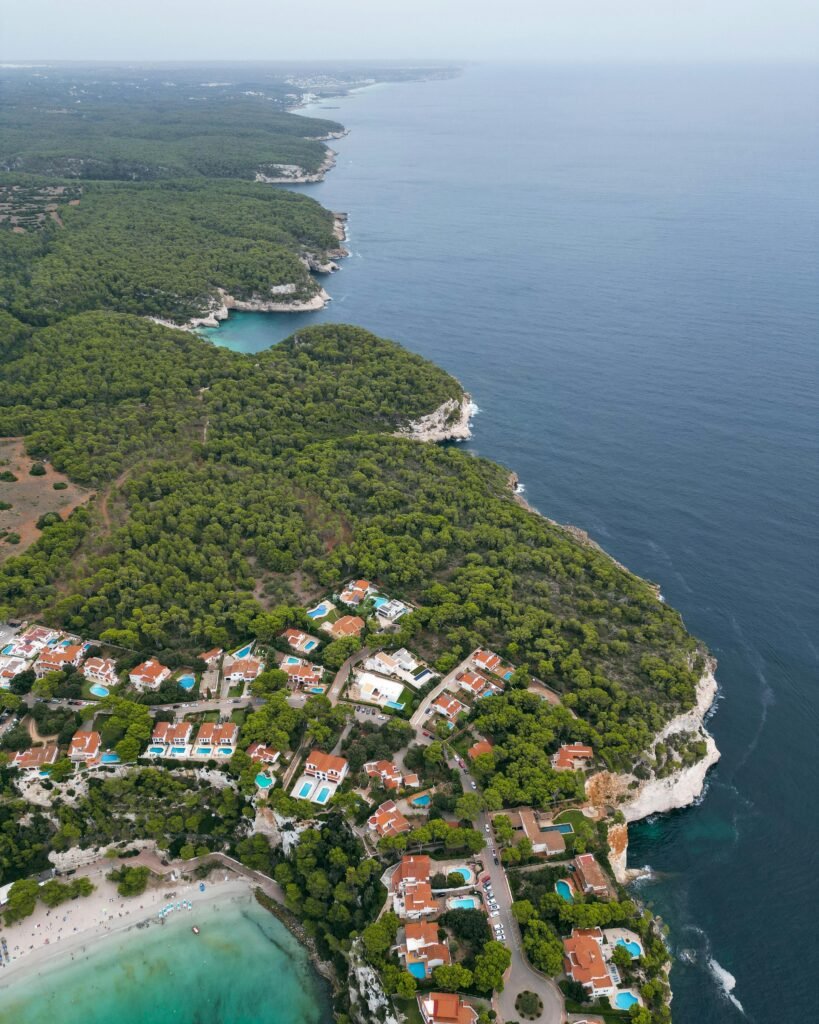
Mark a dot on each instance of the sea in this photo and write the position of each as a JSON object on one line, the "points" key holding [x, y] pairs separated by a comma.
{"points": [[621, 264], [244, 967]]}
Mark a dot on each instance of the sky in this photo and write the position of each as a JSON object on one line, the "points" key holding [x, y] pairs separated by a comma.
{"points": [[570, 30]]}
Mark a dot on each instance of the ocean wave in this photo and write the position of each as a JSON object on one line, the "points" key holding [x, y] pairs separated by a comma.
{"points": [[726, 981]]}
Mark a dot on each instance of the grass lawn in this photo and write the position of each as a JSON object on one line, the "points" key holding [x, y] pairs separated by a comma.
{"points": [[409, 1007], [238, 716], [236, 691], [574, 817]]}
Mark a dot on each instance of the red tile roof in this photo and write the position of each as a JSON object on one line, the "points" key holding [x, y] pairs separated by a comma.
{"points": [[211, 655], [571, 755], [481, 747], [584, 961], [149, 671], [347, 625], [175, 733], [448, 705], [417, 867], [487, 660], [327, 763], [388, 820], [84, 744], [223, 734], [34, 757], [445, 1008], [589, 873], [261, 752]]}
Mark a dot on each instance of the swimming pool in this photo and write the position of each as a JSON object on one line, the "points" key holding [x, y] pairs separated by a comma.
{"points": [[633, 948], [417, 970], [323, 795], [625, 1000], [225, 751], [565, 829], [99, 690], [564, 890], [507, 675], [463, 903], [379, 602], [320, 610], [422, 801], [305, 790], [202, 751], [395, 705], [263, 781], [291, 659], [110, 759], [178, 750], [243, 653], [422, 676], [8, 648], [466, 873], [316, 689], [187, 682], [156, 750], [310, 645]]}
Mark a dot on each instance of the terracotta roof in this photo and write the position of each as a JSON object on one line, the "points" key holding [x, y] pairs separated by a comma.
{"points": [[449, 705], [417, 867], [445, 1008], [34, 757], [584, 960], [418, 898], [570, 753], [261, 752], [304, 672], [487, 659], [387, 771], [412, 780], [151, 670], [172, 732], [474, 682], [247, 668], [481, 747], [388, 820], [99, 667], [590, 873], [424, 932], [212, 655], [326, 762], [217, 734], [347, 625], [84, 743]]}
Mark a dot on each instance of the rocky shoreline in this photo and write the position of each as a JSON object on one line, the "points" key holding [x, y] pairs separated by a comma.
{"points": [[294, 174], [449, 422]]}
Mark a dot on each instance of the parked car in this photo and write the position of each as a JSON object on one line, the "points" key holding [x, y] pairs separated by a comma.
{"points": [[495, 913], [495, 858], [474, 785]]}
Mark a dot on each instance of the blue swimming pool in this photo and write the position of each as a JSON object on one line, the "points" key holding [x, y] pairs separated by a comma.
{"points": [[316, 689], [187, 682], [291, 659], [422, 801], [564, 890], [507, 675], [323, 795], [466, 873], [244, 651], [263, 781], [203, 751], [178, 750], [156, 750], [110, 759], [422, 676], [464, 903], [310, 644], [8, 648], [633, 948], [225, 751], [320, 610], [625, 1000], [395, 705], [417, 970], [305, 790], [379, 602], [99, 690], [565, 829]]}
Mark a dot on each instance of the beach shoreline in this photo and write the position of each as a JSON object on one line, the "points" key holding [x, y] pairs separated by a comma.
{"points": [[75, 929]]}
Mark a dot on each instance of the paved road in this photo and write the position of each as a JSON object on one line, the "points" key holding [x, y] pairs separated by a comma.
{"points": [[521, 975], [420, 716], [343, 674]]}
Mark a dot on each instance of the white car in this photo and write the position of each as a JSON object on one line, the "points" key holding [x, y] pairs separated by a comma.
{"points": [[495, 913], [474, 785], [486, 827]]}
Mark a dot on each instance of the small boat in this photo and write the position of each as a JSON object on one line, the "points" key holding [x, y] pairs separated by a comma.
{"points": [[195, 930]]}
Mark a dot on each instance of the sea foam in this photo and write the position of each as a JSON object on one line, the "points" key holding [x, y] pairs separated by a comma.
{"points": [[726, 981]]}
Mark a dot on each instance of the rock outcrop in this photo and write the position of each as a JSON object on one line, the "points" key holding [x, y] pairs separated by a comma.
{"points": [[449, 422], [294, 174], [639, 798]]}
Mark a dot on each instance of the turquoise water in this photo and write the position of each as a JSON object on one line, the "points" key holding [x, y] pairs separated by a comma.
{"points": [[319, 611], [263, 781], [422, 801], [243, 968], [624, 1000], [632, 947], [323, 795], [110, 759], [466, 873], [305, 790], [310, 644], [564, 891], [187, 682], [156, 750], [620, 264], [565, 829], [464, 903], [98, 690], [417, 970], [395, 705], [243, 651]]}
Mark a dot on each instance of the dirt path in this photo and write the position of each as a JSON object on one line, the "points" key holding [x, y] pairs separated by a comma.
{"points": [[105, 510]]}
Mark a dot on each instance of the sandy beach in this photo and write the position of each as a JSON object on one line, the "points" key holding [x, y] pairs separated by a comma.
{"points": [[68, 931]]}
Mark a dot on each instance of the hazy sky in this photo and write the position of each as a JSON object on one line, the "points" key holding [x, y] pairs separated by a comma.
{"points": [[465, 29]]}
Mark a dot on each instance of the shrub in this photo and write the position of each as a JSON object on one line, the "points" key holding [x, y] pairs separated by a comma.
{"points": [[37, 469]]}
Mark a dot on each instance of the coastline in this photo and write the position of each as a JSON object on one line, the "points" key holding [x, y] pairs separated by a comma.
{"points": [[451, 421], [95, 918]]}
